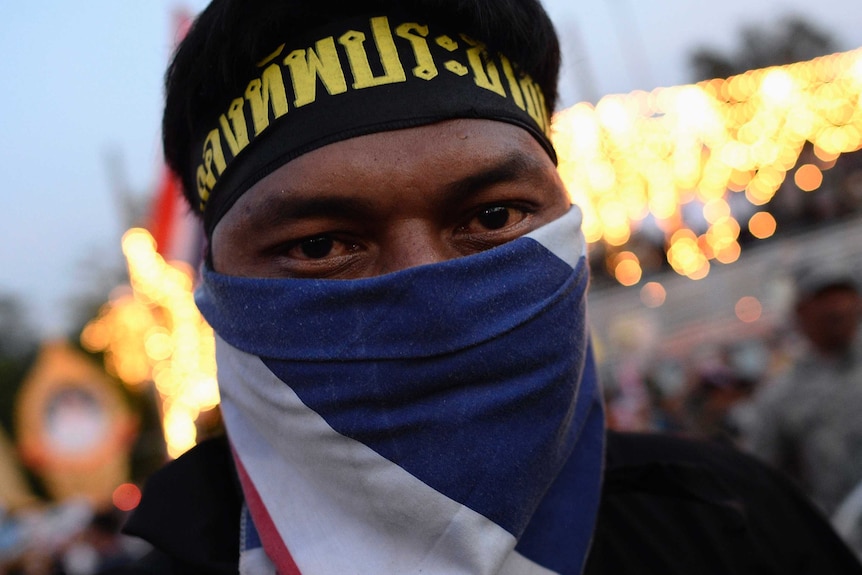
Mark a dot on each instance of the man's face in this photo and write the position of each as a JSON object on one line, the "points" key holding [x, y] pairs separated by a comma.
{"points": [[387, 201]]}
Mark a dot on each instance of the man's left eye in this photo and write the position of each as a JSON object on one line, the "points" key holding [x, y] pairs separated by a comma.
{"points": [[489, 225], [494, 217], [316, 248]]}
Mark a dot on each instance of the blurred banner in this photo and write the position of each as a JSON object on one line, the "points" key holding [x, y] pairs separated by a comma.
{"points": [[74, 428]]}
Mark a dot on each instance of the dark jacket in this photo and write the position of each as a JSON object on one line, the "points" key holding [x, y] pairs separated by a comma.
{"points": [[669, 507]]}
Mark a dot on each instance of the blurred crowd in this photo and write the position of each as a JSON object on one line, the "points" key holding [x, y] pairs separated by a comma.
{"points": [[68, 538], [792, 398]]}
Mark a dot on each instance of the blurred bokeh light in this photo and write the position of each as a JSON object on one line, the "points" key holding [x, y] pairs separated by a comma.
{"points": [[156, 334], [641, 158]]}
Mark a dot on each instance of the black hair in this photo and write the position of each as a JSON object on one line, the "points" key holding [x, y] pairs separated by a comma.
{"points": [[218, 55]]}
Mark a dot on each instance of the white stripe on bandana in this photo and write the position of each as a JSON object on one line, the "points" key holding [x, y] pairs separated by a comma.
{"points": [[339, 507]]}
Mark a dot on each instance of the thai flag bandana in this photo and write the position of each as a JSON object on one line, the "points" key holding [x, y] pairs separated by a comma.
{"points": [[443, 419]]}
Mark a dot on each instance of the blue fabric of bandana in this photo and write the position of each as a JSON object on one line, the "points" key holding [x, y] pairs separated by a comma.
{"points": [[474, 375]]}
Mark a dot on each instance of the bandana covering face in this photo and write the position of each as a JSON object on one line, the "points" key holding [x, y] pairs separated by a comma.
{"points": [[443, 419]]}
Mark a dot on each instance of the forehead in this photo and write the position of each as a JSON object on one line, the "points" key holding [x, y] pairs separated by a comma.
{"points": [[421, 157], [420, 146]]}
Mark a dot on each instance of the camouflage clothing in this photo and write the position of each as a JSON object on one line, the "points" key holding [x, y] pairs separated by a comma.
{"points": [[809, 424]]}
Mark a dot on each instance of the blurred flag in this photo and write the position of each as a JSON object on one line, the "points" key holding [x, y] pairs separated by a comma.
{"points": [[178, 233]]}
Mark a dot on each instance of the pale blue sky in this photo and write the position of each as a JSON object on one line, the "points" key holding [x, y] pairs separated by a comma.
{"points": [[82, 80]]}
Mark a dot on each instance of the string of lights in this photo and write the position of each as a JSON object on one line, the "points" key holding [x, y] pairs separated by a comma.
{"points": [[638, 159]]}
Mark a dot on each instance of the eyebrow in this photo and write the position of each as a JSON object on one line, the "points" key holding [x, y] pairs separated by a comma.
{"points": [[291, 207], [511, 166], [297, 205]]}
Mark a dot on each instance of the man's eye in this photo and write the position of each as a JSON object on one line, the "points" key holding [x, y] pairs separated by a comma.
{"points": [[493, 218], [316, 248]]}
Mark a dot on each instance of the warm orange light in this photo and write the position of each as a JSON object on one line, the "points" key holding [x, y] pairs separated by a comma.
{"points": [[701, 272], [808, 177], [748, 309], [716, 210], [825, 156], [729, 253], [762, 225], [627, 269], [653, 294], [126, 496]]}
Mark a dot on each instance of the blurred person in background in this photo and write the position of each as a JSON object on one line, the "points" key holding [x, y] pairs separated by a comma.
{"points": [[712, 404], [808, 421]]}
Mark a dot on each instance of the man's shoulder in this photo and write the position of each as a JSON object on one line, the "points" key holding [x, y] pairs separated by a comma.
{"points": [[190, 513], [674, 505], [686, 468], [625, 450]]}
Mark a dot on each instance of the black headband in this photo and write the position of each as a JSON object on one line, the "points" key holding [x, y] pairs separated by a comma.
{"points": [[357, 77]]}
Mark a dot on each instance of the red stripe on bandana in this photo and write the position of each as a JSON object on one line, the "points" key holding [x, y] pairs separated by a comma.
{"points": [[269, 536]]}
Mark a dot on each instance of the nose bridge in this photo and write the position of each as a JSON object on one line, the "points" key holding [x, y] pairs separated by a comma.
{"points": [[411, 243]]}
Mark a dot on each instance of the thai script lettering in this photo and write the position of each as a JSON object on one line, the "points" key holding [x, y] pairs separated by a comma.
{"points": [[357, 60]]}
